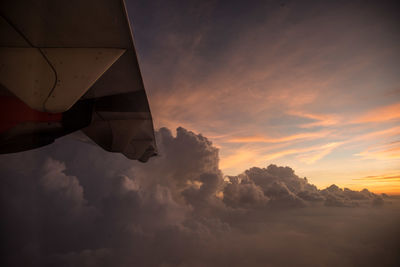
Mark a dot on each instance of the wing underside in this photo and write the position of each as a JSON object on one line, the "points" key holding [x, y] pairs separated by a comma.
{"points": [[58, 54]]}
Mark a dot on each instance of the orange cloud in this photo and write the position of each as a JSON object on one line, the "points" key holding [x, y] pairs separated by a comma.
{"points": [[246, 157], [320, 119], [265, 139], [314, 156], [386, 177], [381, 114], [306, 154], [382, 152], [385, 183], [387, 188], [241, 157], [372, 135]]}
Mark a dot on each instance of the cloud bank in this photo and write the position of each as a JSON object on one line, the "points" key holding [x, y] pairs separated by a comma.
{"points": [[72, 204]]}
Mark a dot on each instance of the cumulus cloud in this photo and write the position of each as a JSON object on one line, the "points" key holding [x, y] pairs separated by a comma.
{"points": [[73, 204], [281, 187]]}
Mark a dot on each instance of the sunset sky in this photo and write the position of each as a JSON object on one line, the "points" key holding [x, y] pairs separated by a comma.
{"points": [[314, 85]]}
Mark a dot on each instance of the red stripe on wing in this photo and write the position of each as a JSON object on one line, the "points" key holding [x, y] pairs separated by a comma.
{"points": [[13, 111]]}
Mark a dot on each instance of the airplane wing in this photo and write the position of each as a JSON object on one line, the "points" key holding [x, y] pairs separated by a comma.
{"points": [[57, 56]]}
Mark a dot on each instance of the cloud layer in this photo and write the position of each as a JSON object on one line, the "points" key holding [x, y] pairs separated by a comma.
{"points": [[72, 204]]}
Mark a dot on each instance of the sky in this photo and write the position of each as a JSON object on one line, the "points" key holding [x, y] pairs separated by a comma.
{"points": [[307, 84]]}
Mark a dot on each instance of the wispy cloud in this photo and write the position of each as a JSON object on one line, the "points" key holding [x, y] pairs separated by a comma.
{"points": [[389, 132], [384, 177], [381, 114], [319, 119], [319, 153], [382, 152], [385, 183], [266, 139], [244, 157]]}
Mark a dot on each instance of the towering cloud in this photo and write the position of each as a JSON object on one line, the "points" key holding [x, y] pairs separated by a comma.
{"points": [[72, 204]]}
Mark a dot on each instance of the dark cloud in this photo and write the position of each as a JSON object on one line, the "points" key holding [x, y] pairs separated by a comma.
{"points": [[283, 188], [73, 204]]}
